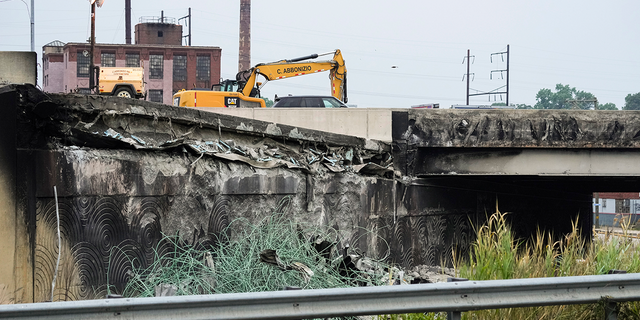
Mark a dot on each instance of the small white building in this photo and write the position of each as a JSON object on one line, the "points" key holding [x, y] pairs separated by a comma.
{"points": [[613, 206]]}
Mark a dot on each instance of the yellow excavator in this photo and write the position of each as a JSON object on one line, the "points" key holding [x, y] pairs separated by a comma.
{"points": [[244, 92]]}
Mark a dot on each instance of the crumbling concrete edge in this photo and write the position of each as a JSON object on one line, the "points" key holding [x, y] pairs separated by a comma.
{"points": [[228, 123]]}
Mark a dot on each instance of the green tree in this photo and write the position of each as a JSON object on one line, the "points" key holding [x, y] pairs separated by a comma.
{"points": [[632, 102], [564, 97], [547, 99], [268, 102], [607, 106], [544, 100]]}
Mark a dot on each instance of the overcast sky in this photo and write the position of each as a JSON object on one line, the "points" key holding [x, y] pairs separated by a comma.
{"points": [[591, 45]]}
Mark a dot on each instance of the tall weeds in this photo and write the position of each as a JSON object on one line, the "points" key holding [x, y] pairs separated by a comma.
{"points": [[496, 254]]}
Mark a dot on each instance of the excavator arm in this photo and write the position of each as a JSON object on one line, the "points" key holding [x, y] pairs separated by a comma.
{"points": [[298, 67]]}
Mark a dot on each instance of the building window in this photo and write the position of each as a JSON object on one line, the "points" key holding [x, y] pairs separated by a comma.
{"points": [[132, 60], [155, 96], [155, 66], [108, 59], [159, 34], [179, 68], [203, 68], [83, 65]]}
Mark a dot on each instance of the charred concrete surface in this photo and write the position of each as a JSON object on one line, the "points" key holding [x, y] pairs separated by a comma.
{"points": [[542, 166], [122, 173], [518, 128], [517, 142], [127, 172]]}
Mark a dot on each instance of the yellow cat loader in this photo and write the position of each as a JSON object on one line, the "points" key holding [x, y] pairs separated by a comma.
{"points": [[244, 92]]}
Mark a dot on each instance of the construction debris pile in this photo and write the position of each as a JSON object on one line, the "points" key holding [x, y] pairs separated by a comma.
{"points": [[273, 255], [268, 153], [99, 122]]}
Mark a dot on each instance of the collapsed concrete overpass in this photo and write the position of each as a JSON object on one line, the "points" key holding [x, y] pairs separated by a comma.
{"points": [[123, 173], [128, 171]]}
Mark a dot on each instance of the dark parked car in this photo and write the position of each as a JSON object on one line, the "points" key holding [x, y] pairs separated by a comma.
{"points": [[308, 102]]}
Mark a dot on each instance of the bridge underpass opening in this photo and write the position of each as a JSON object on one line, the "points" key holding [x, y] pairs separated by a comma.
{"points": [[546, 188], [548, 203]]}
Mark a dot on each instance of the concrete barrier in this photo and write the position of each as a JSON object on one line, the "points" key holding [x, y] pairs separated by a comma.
{"points": [[367, 123], [18, 67]]}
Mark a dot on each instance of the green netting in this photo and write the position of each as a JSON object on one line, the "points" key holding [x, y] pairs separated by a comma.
{"points": [[231, 266]]}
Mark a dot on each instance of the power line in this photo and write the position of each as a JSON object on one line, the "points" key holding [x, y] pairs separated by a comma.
{"points": [[468, 57]]}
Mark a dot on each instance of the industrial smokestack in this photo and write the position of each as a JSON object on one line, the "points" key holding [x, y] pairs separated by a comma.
{"points": [[244, 54], [127, 19]]}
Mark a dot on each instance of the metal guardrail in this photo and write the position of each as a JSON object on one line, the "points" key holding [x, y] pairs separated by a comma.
{"points": [[625, 234], [323, 303], [161, 19]]}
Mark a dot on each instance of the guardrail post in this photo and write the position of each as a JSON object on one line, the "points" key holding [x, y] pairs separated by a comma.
{"points": [[610, 310], [611, 307], [455, 315]]}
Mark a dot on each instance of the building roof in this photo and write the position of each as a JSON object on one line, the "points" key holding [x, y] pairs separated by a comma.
{"points": [[83, 44], [619, 195], [55, 43]]}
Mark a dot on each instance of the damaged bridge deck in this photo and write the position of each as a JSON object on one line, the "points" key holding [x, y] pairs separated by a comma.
{"points": [[127, 172]]}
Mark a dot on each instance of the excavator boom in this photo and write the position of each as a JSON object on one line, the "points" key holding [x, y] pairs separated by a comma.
{"points": [[298, 67]]}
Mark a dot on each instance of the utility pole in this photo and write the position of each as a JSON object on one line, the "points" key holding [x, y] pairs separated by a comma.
{"points": [[507, 75], [468, 74], [93, 44], [468, 58], [495, 91], [503, 70], [597, 196], [188, 22], [33, 33]]}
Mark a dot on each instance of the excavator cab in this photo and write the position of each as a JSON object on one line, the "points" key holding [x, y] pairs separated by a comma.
{"points": [[226, 86], [229, 85], [225, 94]]}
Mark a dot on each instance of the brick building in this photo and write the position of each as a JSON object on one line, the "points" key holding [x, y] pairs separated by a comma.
{"points": [[168, 66], [613, 206]]}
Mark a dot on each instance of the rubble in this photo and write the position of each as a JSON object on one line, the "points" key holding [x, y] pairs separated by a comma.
{"points": [[94, 121]]}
